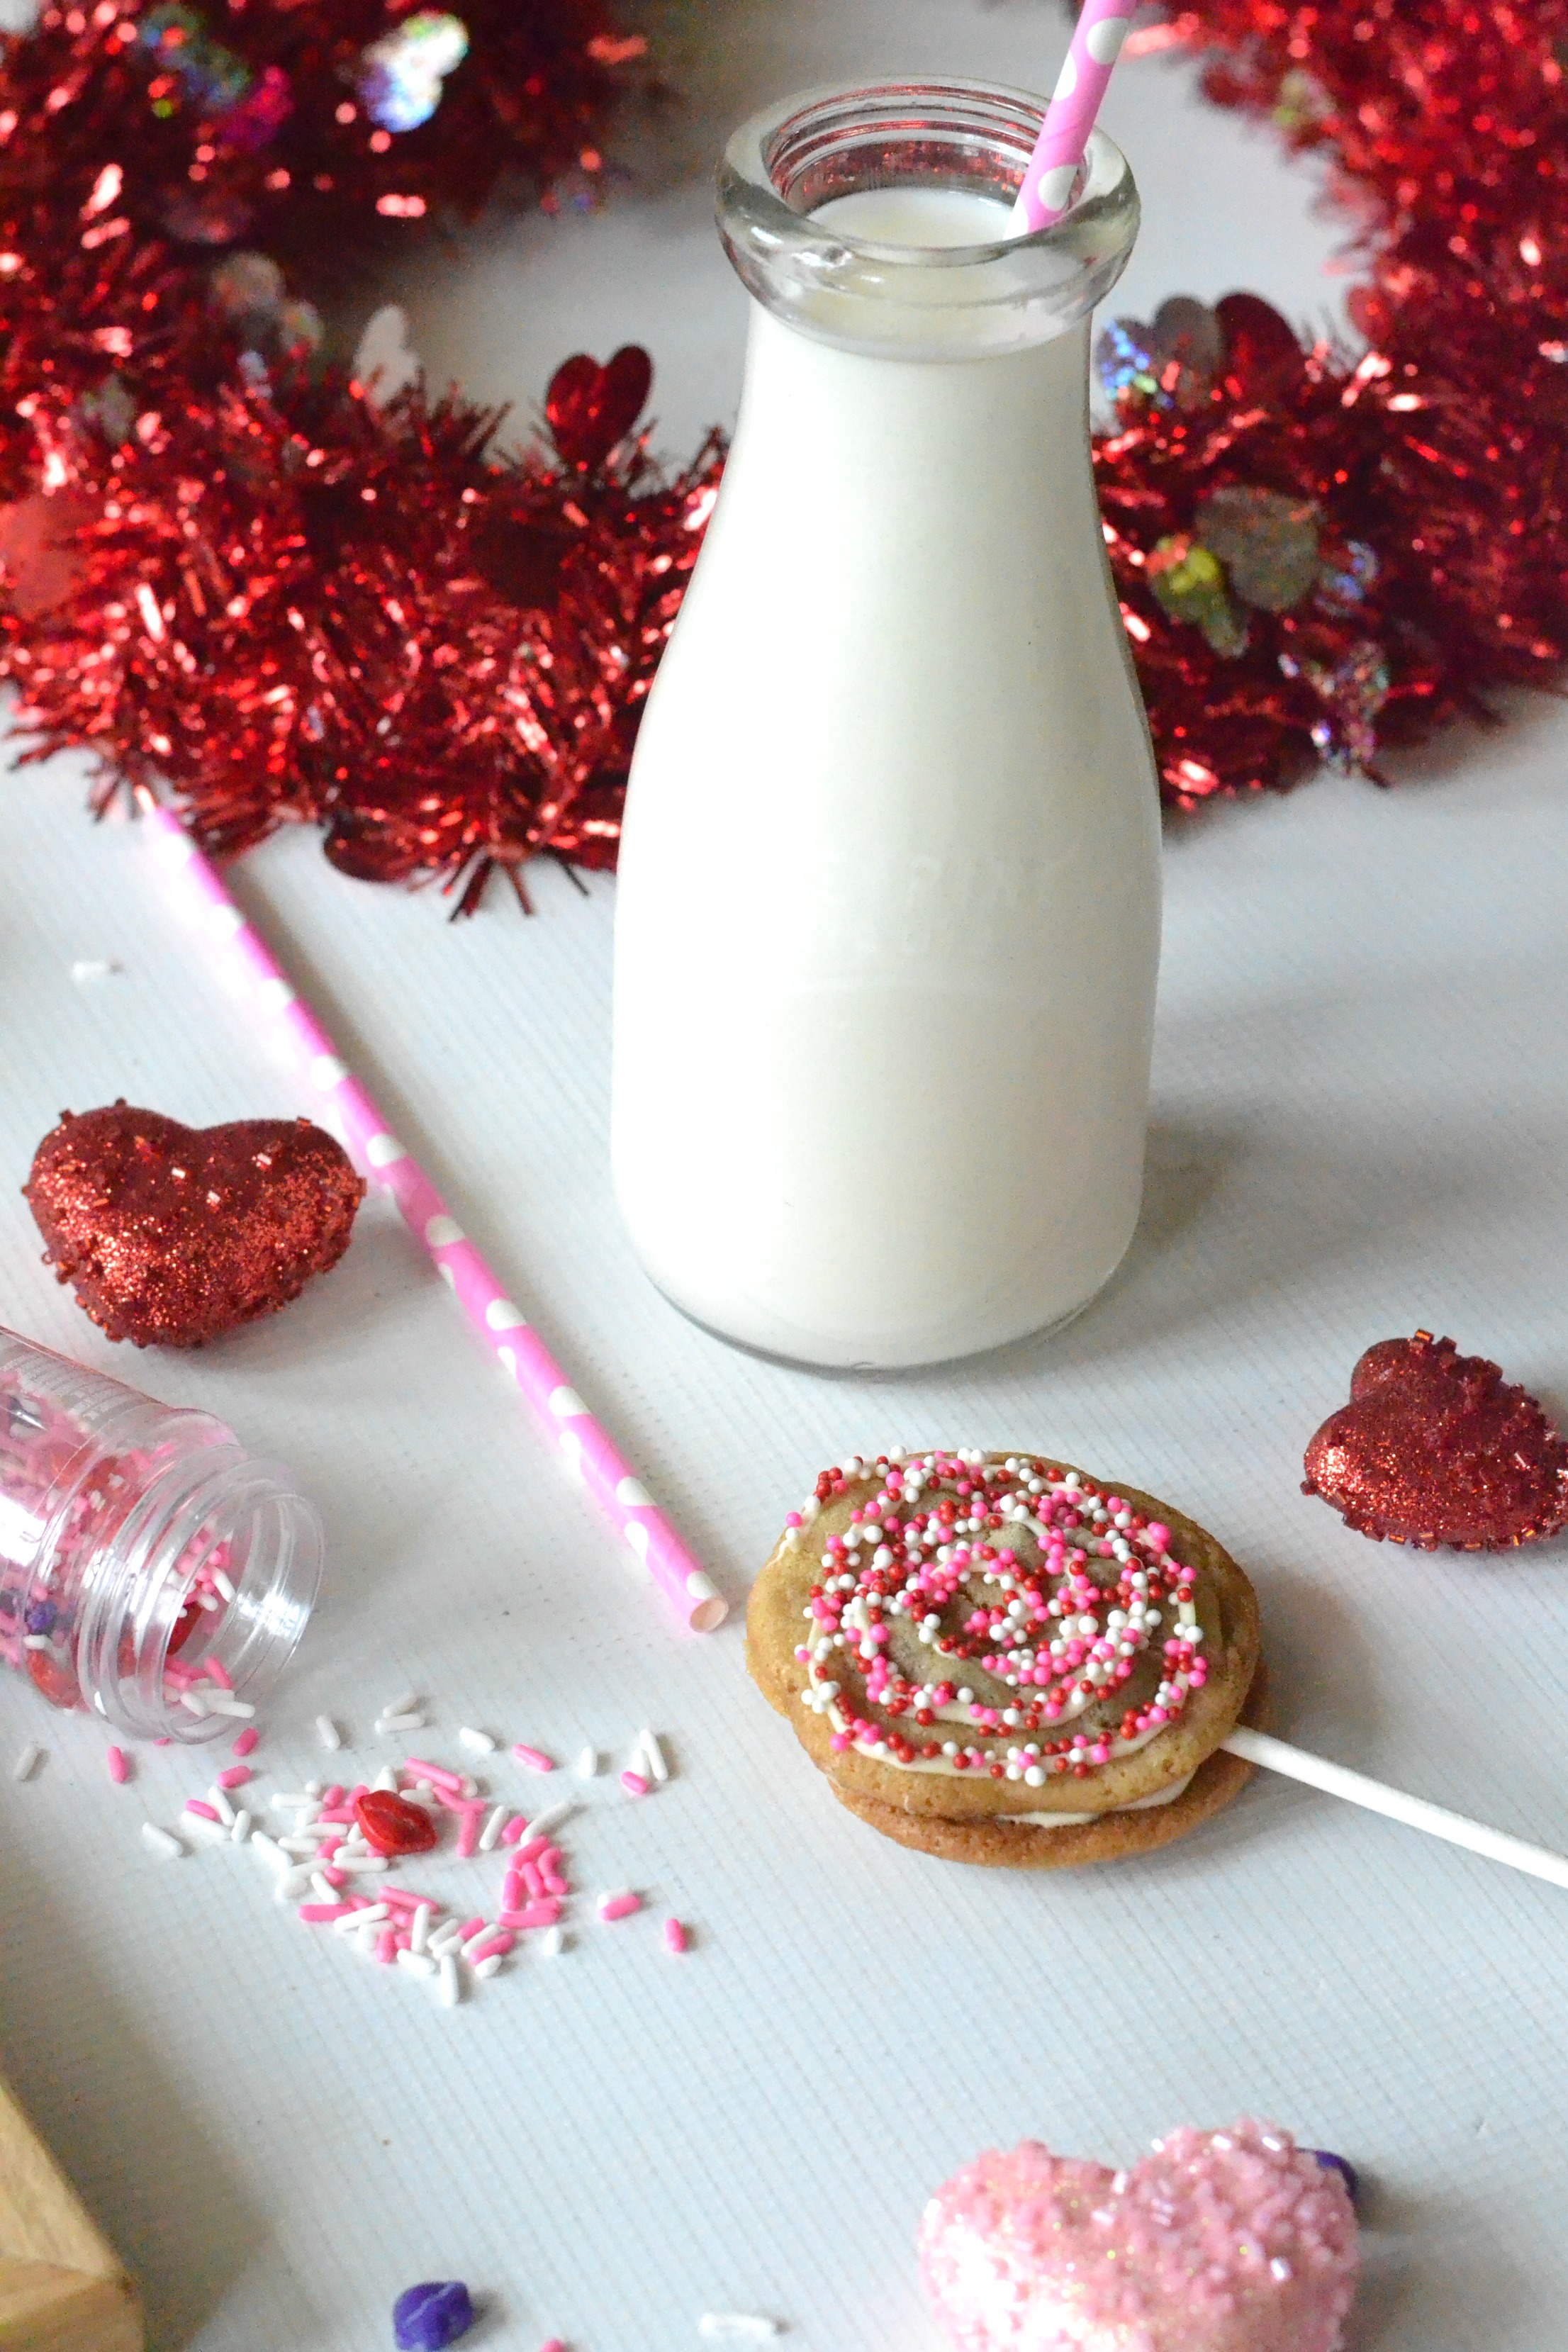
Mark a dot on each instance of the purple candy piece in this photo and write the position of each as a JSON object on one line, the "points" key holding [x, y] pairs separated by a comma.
{"points": [[41, 1615], [1343, 2167], [427, 2317]]}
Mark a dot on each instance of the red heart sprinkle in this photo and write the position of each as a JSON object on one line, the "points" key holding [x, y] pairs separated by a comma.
{"points": [[1435, 1448], [392, 1825], [170, 1234], [589, 408]]}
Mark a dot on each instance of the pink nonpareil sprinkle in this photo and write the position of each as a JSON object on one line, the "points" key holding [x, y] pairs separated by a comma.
{"points": [[317, 1914], [236, 1777], [386, 1947], [619, 1907], [675, 1935], [469, 1835], [514, 1829], [526, 1880], [470, 1928], [334, 1795], [217, 1673], [534, 1758], [334, 1878], [532, 1914], [634, 1784], [436, 1774], [199, 1806], [119, 1769], [249, 1739], [535, 1848], [501, 1942]]}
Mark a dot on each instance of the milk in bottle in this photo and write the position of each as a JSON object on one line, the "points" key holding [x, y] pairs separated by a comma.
{"points": [[888, 916]]}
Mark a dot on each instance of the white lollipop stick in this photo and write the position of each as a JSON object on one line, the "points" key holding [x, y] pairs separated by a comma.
{"points": [[1339, 1780], [1046, 184]]}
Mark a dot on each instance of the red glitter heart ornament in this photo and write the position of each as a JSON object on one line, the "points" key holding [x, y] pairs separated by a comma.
{"points": [[171, 1234], [394, 1824], [589, 408], [1436, 1448]]}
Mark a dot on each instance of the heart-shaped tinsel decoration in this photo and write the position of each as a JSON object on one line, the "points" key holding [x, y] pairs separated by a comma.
{"points": [[1219, 2242], [1436, 1448], [170, 1234], [589, 408]]}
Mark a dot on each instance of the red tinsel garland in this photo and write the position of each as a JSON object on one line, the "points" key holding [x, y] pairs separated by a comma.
{"points": [[292, 602]]}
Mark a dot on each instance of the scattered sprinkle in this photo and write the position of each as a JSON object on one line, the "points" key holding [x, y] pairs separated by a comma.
{"points": [[202, 1809], [88, 967], [119, 1767], [480, 1742], [675, 1935], [551, 1818], [248, 1741], [163, 1843], [452, 1987], [619, 1905], [588, 1764], [534, 1758], [236, 1777], [412, 1720], [242, 1827], [634, 1784], [327, 1732], [552, 1942], [748, 2325], [406, 1703], [27, 1762], [658, 1762]]}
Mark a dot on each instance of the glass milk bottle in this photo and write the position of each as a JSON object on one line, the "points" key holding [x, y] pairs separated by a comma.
{"points": [[888, 906]]}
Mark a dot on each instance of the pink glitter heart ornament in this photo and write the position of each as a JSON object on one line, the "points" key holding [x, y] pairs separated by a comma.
{"points": [[1219, 2242]]}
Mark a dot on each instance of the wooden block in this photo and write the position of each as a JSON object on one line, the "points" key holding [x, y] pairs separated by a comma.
{"points": [[62, 2286]]}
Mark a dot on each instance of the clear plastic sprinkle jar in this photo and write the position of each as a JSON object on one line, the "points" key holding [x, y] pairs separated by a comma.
{"points": [[150, 1568]]}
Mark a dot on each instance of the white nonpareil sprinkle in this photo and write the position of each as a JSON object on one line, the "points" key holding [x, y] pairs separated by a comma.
{"points": [[163, 1843], [406, 1703], [746, 2326], [446, 1940], [419, 1932], [27, 1762], [218, 1799], [552, 1942], [587, 1764], [490, 1834], [386, 1779], [193, 1702], [480, 1742], [387, 1724], [418, 1964], [88, 967], [327, 1732], [657, 1763], [266, 1849], [487, 1969], [356, 1864], [451, 1986], [292, 1886], [223, 1585], [242, 1826], [551, 1818], [355, 1920], [222, 1702]]}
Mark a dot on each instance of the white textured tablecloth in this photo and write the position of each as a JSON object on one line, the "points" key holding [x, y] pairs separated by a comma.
{"points": [[1360, 1125]]}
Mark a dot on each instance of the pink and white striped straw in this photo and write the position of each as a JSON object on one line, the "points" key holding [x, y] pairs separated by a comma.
{"points": [[503, 1327], [1043, 199]]}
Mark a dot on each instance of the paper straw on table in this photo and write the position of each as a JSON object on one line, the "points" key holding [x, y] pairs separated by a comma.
{"points": [[1339, 1780], [1053, 167], [504, 1328]]}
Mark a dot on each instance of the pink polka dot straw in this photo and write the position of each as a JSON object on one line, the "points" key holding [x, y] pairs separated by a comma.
{"points": [[504, 1328], [1053, 167]]}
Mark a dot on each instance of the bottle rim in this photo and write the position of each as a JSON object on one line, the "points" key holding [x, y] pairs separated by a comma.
{"points": [[915, 302]]}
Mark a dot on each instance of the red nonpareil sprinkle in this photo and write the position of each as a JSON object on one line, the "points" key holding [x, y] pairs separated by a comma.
{"points": [[392, 1825], [249, 1738]]}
